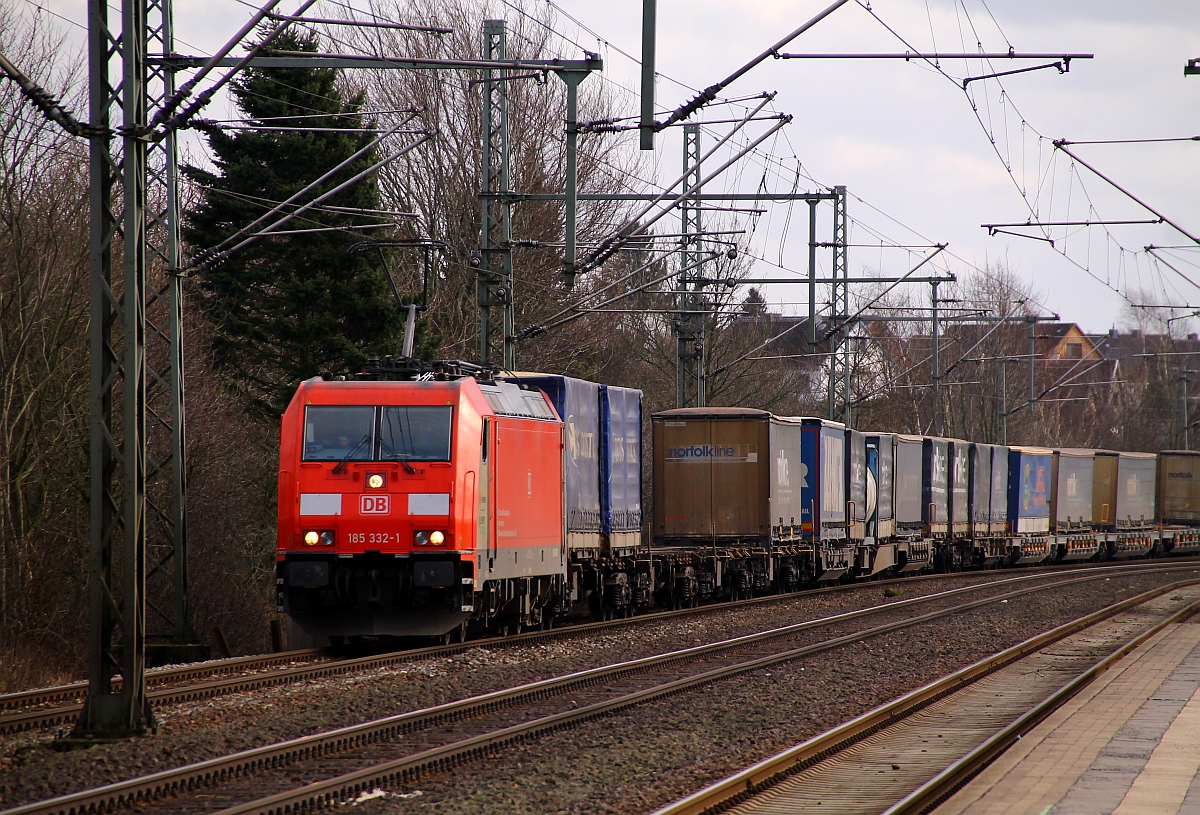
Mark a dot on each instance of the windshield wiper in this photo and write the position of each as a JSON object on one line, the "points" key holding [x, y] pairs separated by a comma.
{"points": [[411, 470], [395, 456], [341, 465]]}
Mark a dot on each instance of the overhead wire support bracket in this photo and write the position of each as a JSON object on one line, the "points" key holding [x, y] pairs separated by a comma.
{"points": [[425, 29], [1062, 144], [709, 94], [857, 280], [308, 59], [1151, 250], [1101, 222], [541, 77], [1061, 61], [994, 231], [844, 324], [909, 56], [1062, 67]]}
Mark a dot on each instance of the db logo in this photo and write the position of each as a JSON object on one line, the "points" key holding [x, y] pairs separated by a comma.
{"points": [[374, 504]]}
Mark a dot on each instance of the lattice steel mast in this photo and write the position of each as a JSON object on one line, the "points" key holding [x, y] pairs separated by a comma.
{"points": [[118, 380], [689, 323], [494, 282]]}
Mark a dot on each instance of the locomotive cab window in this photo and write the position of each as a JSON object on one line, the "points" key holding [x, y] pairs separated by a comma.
{"points": [[334, 433], [415, 433]]}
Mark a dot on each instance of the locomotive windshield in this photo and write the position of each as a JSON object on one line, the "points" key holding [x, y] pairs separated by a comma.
{"points": [[415, 433], [333, 433], [365, 433]]}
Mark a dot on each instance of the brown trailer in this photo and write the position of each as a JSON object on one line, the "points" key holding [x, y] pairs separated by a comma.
{"points": [[728, 475], [1179, 487], [1123, 491]]}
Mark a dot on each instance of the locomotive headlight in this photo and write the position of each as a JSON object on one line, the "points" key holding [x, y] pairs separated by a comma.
{"points": [[422, 538], [375, 481], [436, 538], [311, 538], [327, 538]]}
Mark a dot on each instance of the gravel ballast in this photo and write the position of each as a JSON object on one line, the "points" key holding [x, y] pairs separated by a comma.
{"points": [[695, 736]]}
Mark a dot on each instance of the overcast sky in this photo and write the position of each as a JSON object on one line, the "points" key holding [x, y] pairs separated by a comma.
{"points": [[903, 138]]}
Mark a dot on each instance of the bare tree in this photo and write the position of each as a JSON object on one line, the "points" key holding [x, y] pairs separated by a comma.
{"points": [[43, 352], [441, 183]]}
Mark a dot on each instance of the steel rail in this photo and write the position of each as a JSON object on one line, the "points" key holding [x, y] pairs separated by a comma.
{"points": [[755, 779], [158, 676], [338, 789], [206, 773], [947, 782], [28, 711]]}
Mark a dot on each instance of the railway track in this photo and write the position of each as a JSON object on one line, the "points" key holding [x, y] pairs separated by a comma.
{"points": [[339, 764], [905, 757], [49, 707], [161, 677]]}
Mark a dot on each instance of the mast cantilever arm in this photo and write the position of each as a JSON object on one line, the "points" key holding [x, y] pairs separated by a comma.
{"points": [[710, 93]]}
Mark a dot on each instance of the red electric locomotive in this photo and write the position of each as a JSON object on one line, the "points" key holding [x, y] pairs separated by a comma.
{"points": [[414, 508]]}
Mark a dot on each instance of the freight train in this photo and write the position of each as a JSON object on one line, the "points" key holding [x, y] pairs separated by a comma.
{"points": [[454, 500]]}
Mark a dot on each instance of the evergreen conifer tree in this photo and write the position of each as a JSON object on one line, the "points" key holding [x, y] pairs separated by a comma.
{"points": [[287, 308]]}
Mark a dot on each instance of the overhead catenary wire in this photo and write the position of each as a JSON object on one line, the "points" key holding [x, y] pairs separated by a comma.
{"points": [[1031, 204], [710, 93], [1062, 144], [168, 120], [847, 322], [633, 229], [205, 255], [634, 225], [581, 312], [208, 257]]}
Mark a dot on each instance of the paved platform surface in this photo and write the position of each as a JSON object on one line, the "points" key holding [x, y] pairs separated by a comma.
{"points": [[1129, 744]]}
